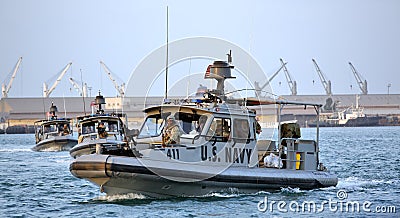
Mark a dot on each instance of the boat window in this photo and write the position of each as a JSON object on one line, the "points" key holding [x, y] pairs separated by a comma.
{"points": [[220, 129], [152, 126], [241, 129], [61, 127], [189, 122], [88, 128], [50, 128], [112, 126]]}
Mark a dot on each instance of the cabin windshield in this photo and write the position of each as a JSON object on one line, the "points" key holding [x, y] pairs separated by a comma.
{"points": [[109, 125], [88, 128], [190, 123], [112, 126], [50, 128], [152, 126]]}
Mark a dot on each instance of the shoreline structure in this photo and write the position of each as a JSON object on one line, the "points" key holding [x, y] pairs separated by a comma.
{"points": [[24, 111]]}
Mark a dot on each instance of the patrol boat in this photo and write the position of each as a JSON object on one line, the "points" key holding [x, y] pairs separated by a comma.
{"points": [[218, 151], [102, 132], [54, 134]]}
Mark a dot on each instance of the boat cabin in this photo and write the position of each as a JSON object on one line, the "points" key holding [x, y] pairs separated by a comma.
{"points": [[222, 130], [100, 126], [198, 123], [45, 129], [227, 133], [52, 126]]}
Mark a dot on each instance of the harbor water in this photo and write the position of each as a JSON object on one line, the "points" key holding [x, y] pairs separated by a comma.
{"points": [[366, 160]]}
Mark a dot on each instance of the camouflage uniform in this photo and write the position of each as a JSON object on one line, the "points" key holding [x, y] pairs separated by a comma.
{"points": [[172, 132]]}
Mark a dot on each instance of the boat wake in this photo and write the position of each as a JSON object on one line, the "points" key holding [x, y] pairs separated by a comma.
{"points": [[120, 197], [16, 150], [232, 193], [50, 149], [290, 190], [357, 184], [220, 195], [61, 158]]}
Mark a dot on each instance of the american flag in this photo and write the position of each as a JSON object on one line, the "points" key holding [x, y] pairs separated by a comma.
{"points": [[207, 75]]}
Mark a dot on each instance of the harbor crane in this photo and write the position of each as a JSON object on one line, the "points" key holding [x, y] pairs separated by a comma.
{"points": [[81, 90], [46, 91], [362, 83], [259, 88], [119, 88], [325, 83], [6, 88], [292, 84]]}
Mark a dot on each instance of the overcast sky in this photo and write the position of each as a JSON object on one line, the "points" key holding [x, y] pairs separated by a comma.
{"points": [[50, 34]]}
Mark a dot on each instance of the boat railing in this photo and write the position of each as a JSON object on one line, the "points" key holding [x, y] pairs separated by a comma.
{"points": [[208, 138], [216, 139], [94, 135], [50, 134], [113, 135], [90, 136]]}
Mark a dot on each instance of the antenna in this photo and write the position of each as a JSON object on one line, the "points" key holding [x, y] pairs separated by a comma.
{"points": [[65, 109], [83, 96], [166, 65], [44, 108], [229, 57], [188, 84]]}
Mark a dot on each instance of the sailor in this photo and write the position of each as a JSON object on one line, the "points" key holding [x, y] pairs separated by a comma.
{"points": [[112, 127], [47, 129], [171, 133], [226, 132], [80, 135], [40, 134], [202, 122], [65, 130], [102, 131], [258, 126]]}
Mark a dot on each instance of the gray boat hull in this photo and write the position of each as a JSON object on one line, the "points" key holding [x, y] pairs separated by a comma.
{"points": [[89, 147], [58, 143], [121, 175]]}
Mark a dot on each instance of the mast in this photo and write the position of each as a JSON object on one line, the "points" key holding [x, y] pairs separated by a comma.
{"points": [[83, 96], [220, 71], [99, 100], [166, 65]]}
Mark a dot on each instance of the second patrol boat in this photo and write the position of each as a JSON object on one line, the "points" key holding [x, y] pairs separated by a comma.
{"points": [[54, 134], [101, 132]]}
